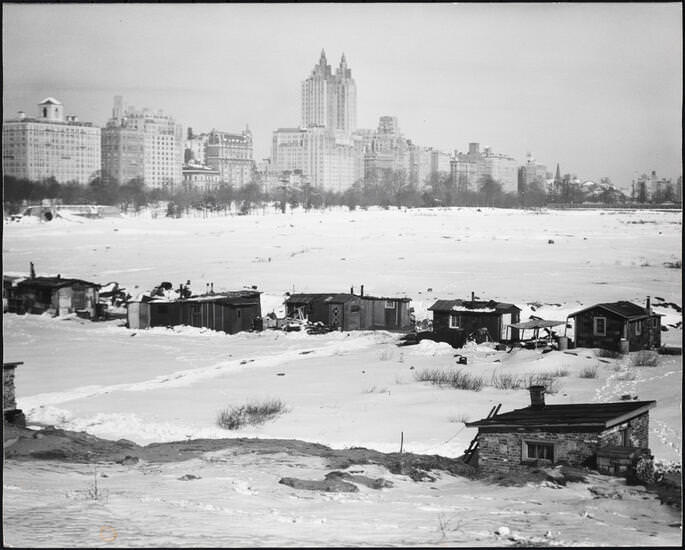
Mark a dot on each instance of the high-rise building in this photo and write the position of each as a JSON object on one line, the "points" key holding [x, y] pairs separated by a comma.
{"points": [[330, 100], [468, 169], [232, 155], [142, 144], [531, 173], [388, 150], [50, 145], [323, 148]]}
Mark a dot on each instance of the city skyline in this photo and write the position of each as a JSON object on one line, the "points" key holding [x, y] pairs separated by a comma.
{"points": [[596, 88]]}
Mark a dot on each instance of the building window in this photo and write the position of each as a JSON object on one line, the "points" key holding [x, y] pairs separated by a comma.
{"points": [[534, 450], [599, 326], [655, 322], [638, 328], [454, 321], [389, 304]]}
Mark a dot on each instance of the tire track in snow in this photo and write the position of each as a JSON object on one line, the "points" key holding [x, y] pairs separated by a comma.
{"points": [[188, 377]]}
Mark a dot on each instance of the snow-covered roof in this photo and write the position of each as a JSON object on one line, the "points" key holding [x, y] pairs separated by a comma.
{"points": [[474, 309], [50, 100]]}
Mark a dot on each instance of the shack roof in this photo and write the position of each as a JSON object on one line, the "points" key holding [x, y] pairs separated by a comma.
{"points": [[581, 416], [54, 282], [11, 365], [235, 298], [330, 297], [477, 306], [623, 309], [386, 298]]}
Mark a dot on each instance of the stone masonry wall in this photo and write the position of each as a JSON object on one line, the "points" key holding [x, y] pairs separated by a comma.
{"points": [[502, 451], [8, 399]]}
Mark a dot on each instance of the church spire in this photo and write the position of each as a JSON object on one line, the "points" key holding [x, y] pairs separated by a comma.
{"points": [[557, 176], [322, 59]]}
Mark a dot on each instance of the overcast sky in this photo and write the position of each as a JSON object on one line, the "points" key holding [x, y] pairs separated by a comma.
{"points": [[597, 88]]}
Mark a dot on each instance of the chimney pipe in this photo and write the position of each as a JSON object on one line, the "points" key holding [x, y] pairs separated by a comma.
{"points": [[362, 291], [649, 305], [206, 288], [211, 288], [473, 296], [351, 290], [537, 396]]}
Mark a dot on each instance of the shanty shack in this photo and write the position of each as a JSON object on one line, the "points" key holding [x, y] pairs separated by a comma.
{"points": [[337, 311], [379, 313], [55, 295], [351, 311], [608, 325], [149, 312], [229, 312], [479, 319], [603, 435], [10, 412]]}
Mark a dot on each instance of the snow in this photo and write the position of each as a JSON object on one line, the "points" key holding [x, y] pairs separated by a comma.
{"points": [[341, 389]]}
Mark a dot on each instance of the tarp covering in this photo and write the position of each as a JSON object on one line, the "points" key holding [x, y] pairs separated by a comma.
{"points": [[537, 323]]}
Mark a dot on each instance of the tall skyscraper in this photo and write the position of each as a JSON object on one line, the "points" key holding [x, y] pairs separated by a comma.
{"points": [[142, 144], [50, 145], [323, 148], [330, 100]]}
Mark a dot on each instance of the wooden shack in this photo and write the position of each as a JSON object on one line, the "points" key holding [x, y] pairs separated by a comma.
{"points": [[383, 313], [335, 310], [55, 295], [229, 312], [152, 312], [606, 325], [477, 319], [10, 412], [579, 434]]}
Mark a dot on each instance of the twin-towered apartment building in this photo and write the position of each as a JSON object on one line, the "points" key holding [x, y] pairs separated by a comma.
{"points": [[326, 149]]}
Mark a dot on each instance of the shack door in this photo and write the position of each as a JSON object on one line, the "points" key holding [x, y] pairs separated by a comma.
{"points": [[335, 316], [64, 303], [390, 314], [506, 321]]}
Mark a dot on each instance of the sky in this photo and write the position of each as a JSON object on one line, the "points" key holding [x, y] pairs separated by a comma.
{"points": [[596, 88]]}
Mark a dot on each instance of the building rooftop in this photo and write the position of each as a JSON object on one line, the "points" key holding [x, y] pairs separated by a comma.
{"points": [[627, 310], [591, 416], [477, 306], [53, 282], [50, 100], [330, 297]]}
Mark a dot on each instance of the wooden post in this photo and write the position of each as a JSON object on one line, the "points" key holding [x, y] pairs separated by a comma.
{"points": [[401, 441]]}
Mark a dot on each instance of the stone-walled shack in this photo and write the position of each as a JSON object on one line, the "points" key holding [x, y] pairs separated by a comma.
{"points": [[571, 434], [10, 412]]}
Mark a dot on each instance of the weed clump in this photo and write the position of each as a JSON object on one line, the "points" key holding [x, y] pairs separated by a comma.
{"points": [[456, 379], [250, 414], [588, 372], [645, 358]]}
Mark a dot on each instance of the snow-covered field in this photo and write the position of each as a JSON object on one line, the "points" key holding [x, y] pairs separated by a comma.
{"points": [[340, 389]]}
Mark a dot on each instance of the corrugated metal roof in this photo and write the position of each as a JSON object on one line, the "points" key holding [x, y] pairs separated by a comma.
{"points": [[626, 310], [447, 305], [236, 297], [597, 415], [386, 298]]}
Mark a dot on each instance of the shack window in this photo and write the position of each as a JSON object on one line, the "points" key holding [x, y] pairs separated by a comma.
{"points": [[389, 304], [655, 322], [354, 308], [600, 326], [535, 450], [454, 321], [638, 328]]}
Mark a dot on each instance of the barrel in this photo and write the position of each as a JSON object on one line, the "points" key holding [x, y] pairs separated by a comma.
{"points": [[563, 343], [624, 346]]}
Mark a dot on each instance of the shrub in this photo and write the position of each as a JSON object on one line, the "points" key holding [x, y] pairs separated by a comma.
{"points": [[250, 414], [626, 375], [457, 379], [506, 381], [678, 264], [609, 353], [645, 358], [588, 372], [376, 389]]}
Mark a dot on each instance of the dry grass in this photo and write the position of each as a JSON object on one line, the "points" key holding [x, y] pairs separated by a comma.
{"points": [[376, 389], [458, 379], [609, 353], [507, 381], [250, 414], [459, 418], [588, 372]]}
